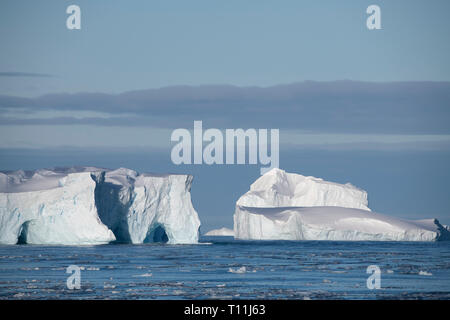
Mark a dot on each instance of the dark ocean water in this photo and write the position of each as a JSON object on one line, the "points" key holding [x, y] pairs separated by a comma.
{"points": [[223, 268]]}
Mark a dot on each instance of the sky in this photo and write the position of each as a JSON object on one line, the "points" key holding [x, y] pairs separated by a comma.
{"points": [[131, 45], [370, 107]]}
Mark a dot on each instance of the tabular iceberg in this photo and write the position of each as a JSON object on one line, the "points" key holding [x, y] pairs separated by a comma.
{"points": [[50, 207], [285, 206], [93, 206], [147, 207], [222, 232], [331, 223]]}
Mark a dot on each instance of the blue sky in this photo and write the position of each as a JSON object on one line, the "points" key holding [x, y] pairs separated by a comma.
{"points": [[129, 45], [352, 105]]}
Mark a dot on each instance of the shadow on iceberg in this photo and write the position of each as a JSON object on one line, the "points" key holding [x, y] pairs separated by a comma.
{"points": [[112, 208], [23, 233], [143, 208], [157, 234]]}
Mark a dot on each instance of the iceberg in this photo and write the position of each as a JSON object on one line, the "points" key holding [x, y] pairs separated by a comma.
{"points": [[287, 206], [88, 205], [50, 207], [222, 232], [278, 188], [331, 223], [141, 208]]}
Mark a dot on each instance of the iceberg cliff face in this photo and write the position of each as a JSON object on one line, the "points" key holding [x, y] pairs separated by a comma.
{"points": [[93, 206], [146, 208], [286, 206], [46, 207], [331, 223], [278, 188]]}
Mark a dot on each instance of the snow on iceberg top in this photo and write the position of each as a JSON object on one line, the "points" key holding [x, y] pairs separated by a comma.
{"points": [[127, 177], [36, 180], [278, 188], [46, 179]]}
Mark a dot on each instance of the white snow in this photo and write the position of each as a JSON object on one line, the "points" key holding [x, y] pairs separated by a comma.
{"points": [[278, 188], [224, 232], [287, 206], [331, 223], [89, 205], [37, 180]]}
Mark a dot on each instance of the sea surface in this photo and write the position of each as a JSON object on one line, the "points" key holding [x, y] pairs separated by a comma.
{"points": [[224, 268]]}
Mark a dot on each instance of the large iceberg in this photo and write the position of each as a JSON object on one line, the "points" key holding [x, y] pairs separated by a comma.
{"points": [[147, 207], [286, 206], [331, 223], [50, 207], [90, 205]]}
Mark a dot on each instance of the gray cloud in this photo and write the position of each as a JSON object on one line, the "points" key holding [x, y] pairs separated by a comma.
{"points": [[339, 106], [26, 74], [123, 121]]}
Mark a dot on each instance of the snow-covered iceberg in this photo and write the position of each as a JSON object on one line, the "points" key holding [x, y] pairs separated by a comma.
{"points": [[287, 206], [90, 205], [50, 207], [278, 188], [222, 232], [331, 223], [147, 207]]}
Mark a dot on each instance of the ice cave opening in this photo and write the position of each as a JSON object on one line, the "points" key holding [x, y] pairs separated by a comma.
{"points": [[157, 234], [22, 239]]}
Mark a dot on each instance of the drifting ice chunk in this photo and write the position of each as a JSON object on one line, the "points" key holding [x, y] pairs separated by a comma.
{"points": [[331, 223], [224, 232], [277, 188]]}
